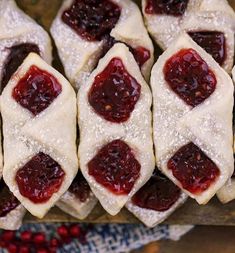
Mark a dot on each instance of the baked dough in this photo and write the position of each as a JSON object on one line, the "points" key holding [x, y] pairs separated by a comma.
{"points": [[95, 131], [80, 57], [208, 125], [25, 135]]}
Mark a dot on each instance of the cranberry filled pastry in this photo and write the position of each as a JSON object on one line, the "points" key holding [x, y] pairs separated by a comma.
{"points": [[11, 211], [156, 200], [210, 23], [84, 30], [116, 149], [38, 108], [79, 200], [19, 35], [192, 119]]}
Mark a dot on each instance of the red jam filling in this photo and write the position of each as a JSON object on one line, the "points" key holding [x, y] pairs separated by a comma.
{"points": [[115, 167], [167, 7], [193, 168], [158, 194], [15, 58], [80, 188], [40, 178], [189, 76], [8, 201], [212, 42], [92, 19], [114, 92], [36, 90]]}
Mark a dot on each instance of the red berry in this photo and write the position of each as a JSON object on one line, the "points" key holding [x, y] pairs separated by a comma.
{"points": [[24, 249], [42, 250], [8, 235], [54, 242], [74, 230], [52, 249], [26, 236], [12, 248], [39, 238], [63, 231]]}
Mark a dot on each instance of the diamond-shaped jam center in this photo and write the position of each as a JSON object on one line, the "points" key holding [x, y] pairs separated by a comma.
{"points": [[36, 90], [92, 19], [189, 76], [115, 167], [40, 178], [16, 56], [114, 93], [193, 168], [80, 188], [167, 7], [158, 194], [214, 43], [8, 201]]}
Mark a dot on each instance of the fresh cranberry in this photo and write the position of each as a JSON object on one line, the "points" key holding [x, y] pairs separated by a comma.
{"points": [[36, 90], [213, 42], [168, 7], [158, 194], [92, 19], [8, 201], [54, 242], [26, 236], [16, 56], [39, 238], [80, 188], [12, 248], [114, 92], [63, 231], [115, 167], [189, 76], [193, 168], [40, 178], [74, 230], [7, 235], [24, 249]]}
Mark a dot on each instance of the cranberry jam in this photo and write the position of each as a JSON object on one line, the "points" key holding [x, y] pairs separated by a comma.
{"points": [[115, 167], [167, 7], [40, 178], [80, 188], [214, 43], [92, 19], [158, 194], [8, 201], [193, 168], [114, 92], [36, 90], [189, 76], [16, 56]]}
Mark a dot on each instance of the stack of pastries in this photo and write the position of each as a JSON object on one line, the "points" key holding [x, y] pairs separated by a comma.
{"points": [[127, 129]]}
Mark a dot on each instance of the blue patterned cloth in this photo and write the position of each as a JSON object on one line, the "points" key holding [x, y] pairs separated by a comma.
{"points": [[111, 238]]}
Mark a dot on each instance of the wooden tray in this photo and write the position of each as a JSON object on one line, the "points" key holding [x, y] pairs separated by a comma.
{"points": [[214, 213]]}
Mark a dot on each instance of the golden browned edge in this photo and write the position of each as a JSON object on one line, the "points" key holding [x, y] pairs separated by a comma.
{"points": [[214, 213]]}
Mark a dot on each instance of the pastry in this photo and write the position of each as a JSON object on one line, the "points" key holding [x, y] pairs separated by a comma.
{"points": [[11, 211], [210, 23], [116, 149], [79, 200], [84, 30], [192, 119], [19, 35], [156, 200], [40, 160]]}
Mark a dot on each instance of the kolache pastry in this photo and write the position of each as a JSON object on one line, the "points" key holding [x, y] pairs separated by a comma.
{"points": [[192, 119], [227, 192], [19, 35], [40, 157], [116, 148], [210, 23], [79, 200], [156, 200], [85, 30]]}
